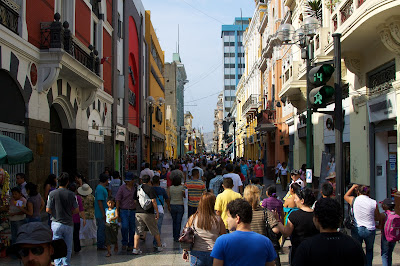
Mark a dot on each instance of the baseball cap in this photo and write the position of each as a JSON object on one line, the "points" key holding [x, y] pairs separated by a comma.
{"points": [[37, 233], [388, 202], [294, 172], [129, 176]]}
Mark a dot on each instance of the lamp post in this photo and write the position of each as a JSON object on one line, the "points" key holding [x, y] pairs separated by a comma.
{"points": [[230, 118], [303, 37], [151, 103]]}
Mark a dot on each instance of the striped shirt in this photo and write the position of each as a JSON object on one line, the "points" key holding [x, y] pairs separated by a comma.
{"points": [[259, 219], [195, 188]]}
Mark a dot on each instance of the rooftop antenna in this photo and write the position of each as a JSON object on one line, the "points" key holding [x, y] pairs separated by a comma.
{"points": [[178, 38]]}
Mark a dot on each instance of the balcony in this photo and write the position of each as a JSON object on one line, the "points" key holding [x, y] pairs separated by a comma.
{"points": [[269, 45], [266, 121], [63, 54], [293, 87], [9, 16], [251, 105]]}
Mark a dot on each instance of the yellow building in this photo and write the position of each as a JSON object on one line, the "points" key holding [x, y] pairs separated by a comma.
{"points": [[156, 88], [171, 134]]}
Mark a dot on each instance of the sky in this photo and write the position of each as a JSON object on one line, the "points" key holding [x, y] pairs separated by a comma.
{"points": [[200, 46]]}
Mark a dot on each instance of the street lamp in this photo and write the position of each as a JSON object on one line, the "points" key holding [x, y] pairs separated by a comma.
{"points": [[151, 102], [303, 37], [231, 118]]}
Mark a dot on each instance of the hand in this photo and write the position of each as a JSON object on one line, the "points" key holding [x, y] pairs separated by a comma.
{"points": [[84, 222], [157, 216], [355, 185], [185, 256], [276, 214]]}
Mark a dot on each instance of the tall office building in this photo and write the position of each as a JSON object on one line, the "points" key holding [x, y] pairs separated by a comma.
{"points": [[232, 40]]}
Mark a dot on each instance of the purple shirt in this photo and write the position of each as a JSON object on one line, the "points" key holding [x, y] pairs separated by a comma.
{"points": [[75, 217], [125, 197], [273, 203]]}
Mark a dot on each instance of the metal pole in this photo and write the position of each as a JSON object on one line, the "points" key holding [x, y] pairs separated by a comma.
{"points": [[234, 140], [340, 182], [309, 142], [151, 109]]}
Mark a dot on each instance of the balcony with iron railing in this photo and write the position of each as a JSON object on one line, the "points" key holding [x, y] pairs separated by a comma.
{"points": [[251, 105], [343, 11], [9, 16], [57, 35]]}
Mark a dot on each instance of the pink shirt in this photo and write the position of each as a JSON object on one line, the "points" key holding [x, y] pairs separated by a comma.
{"points": [[259, 170]]}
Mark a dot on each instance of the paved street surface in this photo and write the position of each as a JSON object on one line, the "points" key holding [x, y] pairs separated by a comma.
{"points": [[172, 254]]}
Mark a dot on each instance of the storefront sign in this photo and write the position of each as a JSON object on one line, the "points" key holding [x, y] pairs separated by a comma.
{"points": [[382, 108], [132, 98], [120, 133]]}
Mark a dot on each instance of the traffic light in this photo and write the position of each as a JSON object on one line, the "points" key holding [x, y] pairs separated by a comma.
{"points": [[322, 93]]}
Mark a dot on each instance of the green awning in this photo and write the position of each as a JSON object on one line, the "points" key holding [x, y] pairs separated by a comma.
{"points": [[13, 152]]}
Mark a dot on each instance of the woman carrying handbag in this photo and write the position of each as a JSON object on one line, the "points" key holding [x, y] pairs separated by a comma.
{"points": [[207, 227]]}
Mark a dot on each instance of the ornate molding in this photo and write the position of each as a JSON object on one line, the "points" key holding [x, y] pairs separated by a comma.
{"points": [[353, 64], [394, 26], [47, 75], [387, 38], [85, 97]]}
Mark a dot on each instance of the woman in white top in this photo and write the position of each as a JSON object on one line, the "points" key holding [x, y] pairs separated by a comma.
{"points": [[208, 227], [366, 212]]}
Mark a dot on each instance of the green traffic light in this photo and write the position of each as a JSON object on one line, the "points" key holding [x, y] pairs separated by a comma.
{"points": [[321, 74], [320, 96]]}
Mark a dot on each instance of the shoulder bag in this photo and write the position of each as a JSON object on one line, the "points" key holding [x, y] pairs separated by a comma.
{"points": [[350, 221], [186, 239], [270, 234]]}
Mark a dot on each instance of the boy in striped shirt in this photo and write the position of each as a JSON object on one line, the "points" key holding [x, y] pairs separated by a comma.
{"points": [[195, 188]]}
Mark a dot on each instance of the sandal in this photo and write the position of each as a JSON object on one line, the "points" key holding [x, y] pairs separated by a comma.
{"points": [[108, 255]]}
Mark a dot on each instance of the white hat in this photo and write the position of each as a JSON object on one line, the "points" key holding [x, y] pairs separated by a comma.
{"points": [[85, 190]]}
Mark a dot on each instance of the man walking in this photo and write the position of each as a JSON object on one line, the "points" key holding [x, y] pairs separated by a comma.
{"points": [[216, 182], [100, 204], [161, 198], [245, 170], [126, 206], [330, 247], [145, 218], [62, 204], [146, 171], [242, 247], [195, 188], [224, 199], [21, 183], [237, 183]]}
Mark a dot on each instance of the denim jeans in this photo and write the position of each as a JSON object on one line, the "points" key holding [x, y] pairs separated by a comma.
{"points": [[33, 219], [159, 224], [14, 229], [200, 258], [101, 232], [62, 231], [177, 214], [386, 250], [128, 225], [363, 234]]}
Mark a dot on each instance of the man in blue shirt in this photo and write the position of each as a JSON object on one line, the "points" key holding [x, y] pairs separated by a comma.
{"points": [[100, 205], [242, 247]]}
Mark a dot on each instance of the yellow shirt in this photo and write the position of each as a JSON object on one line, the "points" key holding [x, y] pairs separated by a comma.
{"points": [[222, 202]]}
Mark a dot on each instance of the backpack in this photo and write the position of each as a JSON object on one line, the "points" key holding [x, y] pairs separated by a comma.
{"points": [[392, 226], [144, 200]]}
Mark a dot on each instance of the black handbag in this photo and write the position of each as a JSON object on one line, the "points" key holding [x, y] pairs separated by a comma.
{"points": [[350, 221], [270, 234]]}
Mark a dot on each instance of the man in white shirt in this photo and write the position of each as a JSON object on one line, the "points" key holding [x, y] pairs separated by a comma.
{"points": [[277, 168], [237, 183], [147, 171], [165, 164]]}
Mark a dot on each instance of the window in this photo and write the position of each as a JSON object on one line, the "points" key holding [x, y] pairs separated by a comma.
{"points": [[226, 43], [229, 87], [232, 44], [94, 35]]}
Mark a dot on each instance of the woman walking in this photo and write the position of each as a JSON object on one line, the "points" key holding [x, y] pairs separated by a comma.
{"points": [[366, 212], [176, 193], [34, 205], [208, 227]]}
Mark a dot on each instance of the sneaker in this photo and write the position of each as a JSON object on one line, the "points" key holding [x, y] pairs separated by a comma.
{"points": [[163, 245], [136, 251]]}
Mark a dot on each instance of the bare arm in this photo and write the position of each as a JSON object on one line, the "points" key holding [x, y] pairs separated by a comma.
{"points": [[101, 207], [347, 197], [154, 201], [241, 189], [75, 211], [46, 191], [222, 228], [48, 210], [41, 204], [271, 263], [28, 210]]}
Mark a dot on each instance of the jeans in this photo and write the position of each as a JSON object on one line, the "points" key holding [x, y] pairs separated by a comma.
{"points": [[386, 250], [363, 234], [191, 210], [77, 242], [65, 232], [200, 258], [14, 229], [159, 224], [33, 219], [177, 214], [101, 232], [128, 225]]}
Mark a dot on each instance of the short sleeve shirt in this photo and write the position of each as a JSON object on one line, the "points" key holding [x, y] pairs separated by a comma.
{"points": [[101, 193], [195, 188], [236, 181], [258, 169], [244, 248], [303, 226], [125, 196], [244, 168], [61, 202], [222, 201], [88, 206]]}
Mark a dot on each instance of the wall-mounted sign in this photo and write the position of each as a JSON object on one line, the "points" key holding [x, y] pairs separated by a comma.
{"points": [[382, 108], [132, 98], [54, 165]]}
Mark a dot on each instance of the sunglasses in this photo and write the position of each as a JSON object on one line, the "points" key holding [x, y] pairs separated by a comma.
{"points": [[37, 251]]}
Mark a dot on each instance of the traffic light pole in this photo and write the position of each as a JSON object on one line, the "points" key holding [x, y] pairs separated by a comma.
{"points": [[309, 128], [340, 180]]}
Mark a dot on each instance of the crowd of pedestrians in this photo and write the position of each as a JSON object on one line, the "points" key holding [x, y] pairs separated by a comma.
{"points": [[234, 223]]}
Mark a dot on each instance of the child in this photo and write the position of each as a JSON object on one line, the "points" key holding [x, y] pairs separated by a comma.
{"points": [[16, 216], [386, 246], [111, 226]]}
